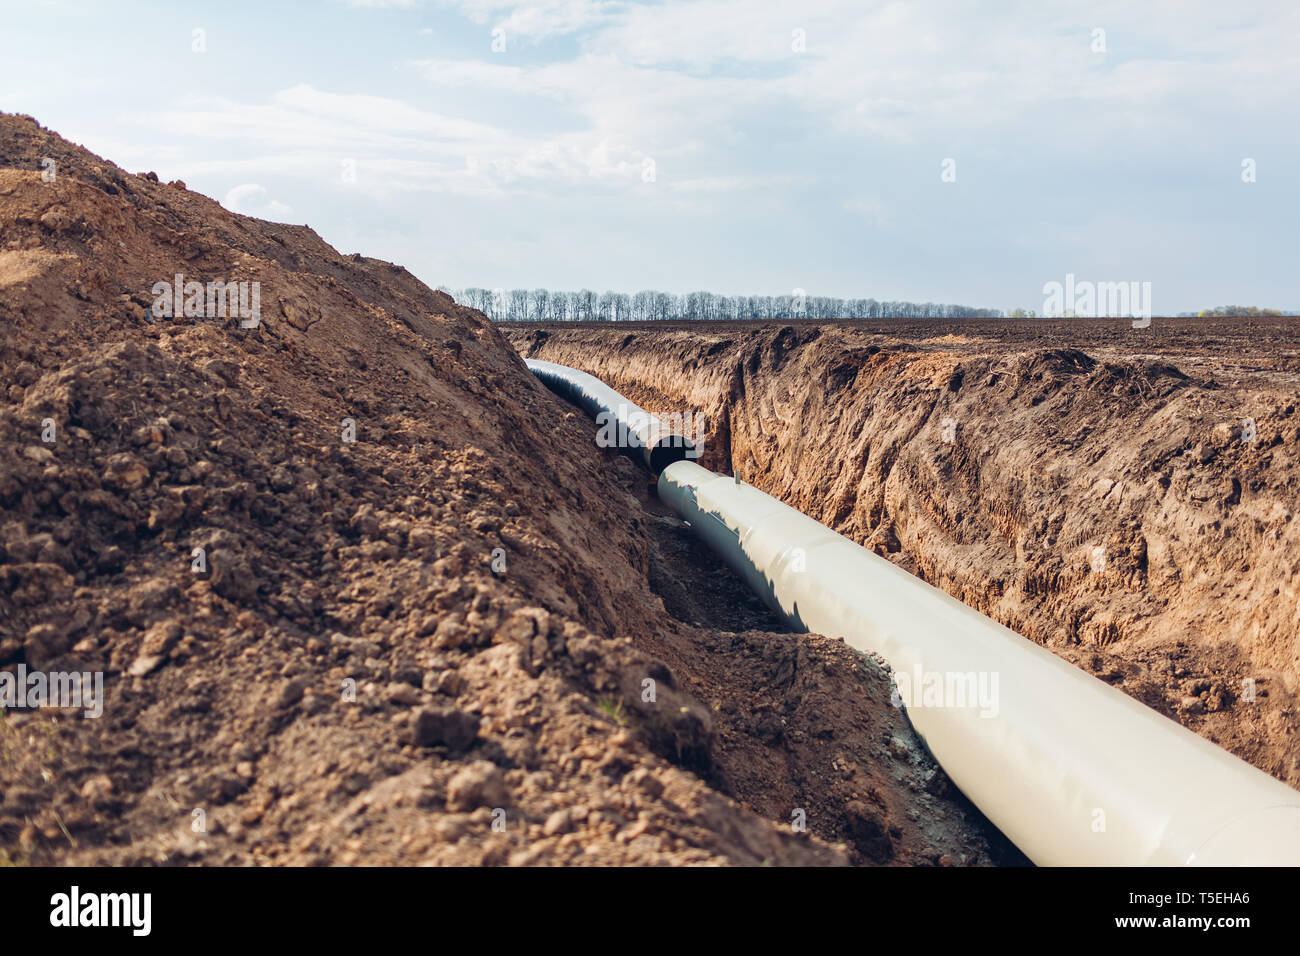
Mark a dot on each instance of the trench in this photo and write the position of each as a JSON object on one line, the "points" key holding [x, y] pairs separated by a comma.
{"points": [[802, 722], [1060, 740], [1059, 454]]}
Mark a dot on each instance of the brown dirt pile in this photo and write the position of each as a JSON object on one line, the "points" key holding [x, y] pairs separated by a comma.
{"points": [[1095, 492], [430, 644]]}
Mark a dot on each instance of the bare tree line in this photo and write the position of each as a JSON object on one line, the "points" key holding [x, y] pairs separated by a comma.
{"points": [[543, 305]]}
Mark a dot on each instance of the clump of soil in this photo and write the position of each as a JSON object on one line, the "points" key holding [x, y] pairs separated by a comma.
{"points": [[362, 591], [1125, 497]]}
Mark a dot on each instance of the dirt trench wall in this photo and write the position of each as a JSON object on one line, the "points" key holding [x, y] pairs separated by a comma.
{"points": [[1107, 507]]}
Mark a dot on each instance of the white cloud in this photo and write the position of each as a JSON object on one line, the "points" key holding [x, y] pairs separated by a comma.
{"points": [[307, 133], [719, 184], [871, 210], [250, 199], [903, 69], [696, 87], [538, 19], [834, 142], [648, 110]]}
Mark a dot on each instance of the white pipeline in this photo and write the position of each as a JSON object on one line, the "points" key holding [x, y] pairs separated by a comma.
{"points": [[1073, 771], [623, 424]]}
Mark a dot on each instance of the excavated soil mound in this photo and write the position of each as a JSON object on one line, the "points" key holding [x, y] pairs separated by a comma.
{"points": [[1123, 496], [361, 591]]}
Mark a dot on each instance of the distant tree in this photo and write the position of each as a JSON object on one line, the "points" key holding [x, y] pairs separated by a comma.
{"points": [[649, 305], [519, 306], [539, 304], [1239, 310]]}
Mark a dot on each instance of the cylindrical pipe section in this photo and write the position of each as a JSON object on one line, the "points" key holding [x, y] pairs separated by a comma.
{"points": [[1072, 770], [623, 424]]}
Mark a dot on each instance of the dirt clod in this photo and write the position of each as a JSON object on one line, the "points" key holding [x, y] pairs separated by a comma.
{"points": [[453, 729]]}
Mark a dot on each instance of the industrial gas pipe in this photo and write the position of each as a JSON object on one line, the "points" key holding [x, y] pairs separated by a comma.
{"points": [[1073, 771], [634, 429]]}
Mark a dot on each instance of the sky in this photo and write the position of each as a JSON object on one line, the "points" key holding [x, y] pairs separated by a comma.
{"points": [[929, 150]]}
